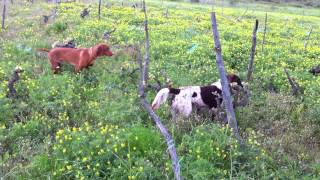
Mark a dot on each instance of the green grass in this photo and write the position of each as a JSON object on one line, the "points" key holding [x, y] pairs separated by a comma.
{"points": [[91, 125]]}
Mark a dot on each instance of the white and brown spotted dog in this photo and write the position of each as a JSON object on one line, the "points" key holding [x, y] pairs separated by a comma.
{"points": [[198, 96]]}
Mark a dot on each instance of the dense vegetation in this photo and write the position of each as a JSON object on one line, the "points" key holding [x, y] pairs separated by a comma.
{"points": [[314, 3], [298, 3], [91, 125]]}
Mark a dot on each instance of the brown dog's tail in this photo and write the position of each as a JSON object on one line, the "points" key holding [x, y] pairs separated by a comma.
{"points": [[43, 49]]}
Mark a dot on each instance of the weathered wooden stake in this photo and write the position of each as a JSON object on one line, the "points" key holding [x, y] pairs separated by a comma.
{"points": [[15, 77], [307, 40], [99, 9], [264, 31], [4, 13], [224, 81], [253, 50], [143, 79], [294, 85], [271, 87]]}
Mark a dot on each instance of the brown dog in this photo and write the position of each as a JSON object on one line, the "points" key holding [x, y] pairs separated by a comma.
{"points": [[79, 58]]}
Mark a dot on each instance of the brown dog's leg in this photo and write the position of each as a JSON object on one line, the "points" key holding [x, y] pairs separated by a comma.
{"points": [[55, 66], [77, 69], [87, 67]]}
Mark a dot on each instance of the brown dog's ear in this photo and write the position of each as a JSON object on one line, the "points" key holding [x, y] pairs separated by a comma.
{"points": [[100, 50]]}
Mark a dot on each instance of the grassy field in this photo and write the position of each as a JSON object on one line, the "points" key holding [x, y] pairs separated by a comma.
{"points": [[91, 126]]}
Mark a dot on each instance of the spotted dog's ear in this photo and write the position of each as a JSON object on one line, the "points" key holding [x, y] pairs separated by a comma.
{"points": [[234, 79]]}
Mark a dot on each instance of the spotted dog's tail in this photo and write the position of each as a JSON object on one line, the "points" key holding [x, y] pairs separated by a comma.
{"points": [[162, 96]]}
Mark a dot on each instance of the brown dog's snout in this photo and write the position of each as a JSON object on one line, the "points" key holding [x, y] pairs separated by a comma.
{"points": [[109, 53]]}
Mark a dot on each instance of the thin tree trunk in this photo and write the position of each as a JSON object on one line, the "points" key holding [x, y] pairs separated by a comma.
{"points": [[307, 40], [253, 51], [143, 79], [4, 13], [99, 9], [264, 31], [224, 81]]}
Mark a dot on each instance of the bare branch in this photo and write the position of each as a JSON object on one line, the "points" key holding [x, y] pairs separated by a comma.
{"points": [[307, 40], [159, 85], [253, 51], [240, 17], [143, 82], [224, 81], [147, 46], [264, 31], [157, 120], [167, 137]]}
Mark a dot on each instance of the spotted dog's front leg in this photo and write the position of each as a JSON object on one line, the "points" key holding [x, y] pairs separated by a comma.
{"points": [[174, 117]]}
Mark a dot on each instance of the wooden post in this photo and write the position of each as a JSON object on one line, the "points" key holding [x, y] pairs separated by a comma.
{"points": [[15, 77], [143, 79], [4, 14], [253, 50], [294, 85], [306, 42], [99, 9], [224, 81], [264, 31]]}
